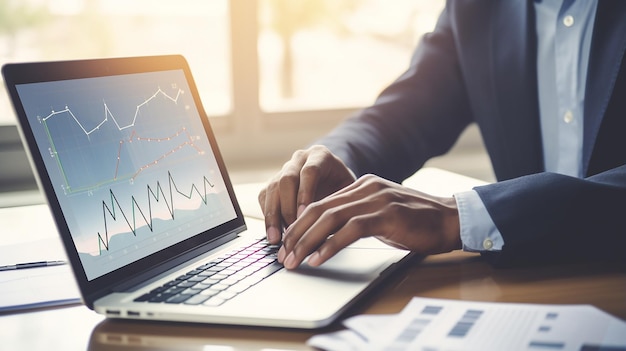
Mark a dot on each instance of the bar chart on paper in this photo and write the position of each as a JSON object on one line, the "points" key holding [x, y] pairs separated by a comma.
{"points": [[455, 325]]}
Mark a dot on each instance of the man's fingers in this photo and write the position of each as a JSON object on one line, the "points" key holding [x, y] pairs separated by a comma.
{"points": [[269, 200], [287, 196], [309, 180], [348, 234], [310, 233], [278, 199], [290, 183], [308, 176]]}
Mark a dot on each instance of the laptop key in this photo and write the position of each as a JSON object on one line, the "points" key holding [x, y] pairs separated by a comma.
{"points": [[219, 287], [219, 276], [214, 301], [180, 298], [160, 297], [186, 284], [239, 287], [209, 292], [145, 297], [175, 290], [226, 295], [196, 299]]}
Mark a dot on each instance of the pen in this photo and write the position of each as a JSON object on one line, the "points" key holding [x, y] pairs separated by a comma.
{"points": [[31, 265]]}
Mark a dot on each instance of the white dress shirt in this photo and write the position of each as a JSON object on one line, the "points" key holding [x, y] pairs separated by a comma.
{"points": [[564, 29]]}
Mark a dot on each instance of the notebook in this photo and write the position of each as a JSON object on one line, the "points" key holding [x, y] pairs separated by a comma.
{"points": [[133, 175]]}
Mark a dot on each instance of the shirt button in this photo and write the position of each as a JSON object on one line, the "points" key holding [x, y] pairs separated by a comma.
{"points": [[487, 244], [568, 21], [568, 117]]}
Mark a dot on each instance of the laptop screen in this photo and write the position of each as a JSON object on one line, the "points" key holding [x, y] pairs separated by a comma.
{"points": [[130, 163]]}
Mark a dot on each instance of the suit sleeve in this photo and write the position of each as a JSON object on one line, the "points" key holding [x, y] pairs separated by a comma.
{"points": [[417, 117], [548, 217]]}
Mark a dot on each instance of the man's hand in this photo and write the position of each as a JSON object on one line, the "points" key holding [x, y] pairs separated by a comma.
{"points": [[309, 176], [371, 206]]}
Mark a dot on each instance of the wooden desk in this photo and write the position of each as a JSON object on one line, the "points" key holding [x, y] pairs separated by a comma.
{"points": [[456, 275]]}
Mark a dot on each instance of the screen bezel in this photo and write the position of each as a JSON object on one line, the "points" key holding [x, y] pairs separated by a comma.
{"points": [[158, 262]]}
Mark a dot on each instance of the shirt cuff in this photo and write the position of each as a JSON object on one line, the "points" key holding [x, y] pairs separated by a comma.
{"points": [[478, 231]]}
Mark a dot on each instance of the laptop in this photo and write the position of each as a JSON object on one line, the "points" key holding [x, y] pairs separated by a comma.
{"points": [[130, 167]]}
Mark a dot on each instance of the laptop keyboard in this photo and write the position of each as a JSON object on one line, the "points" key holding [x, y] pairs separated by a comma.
{"points": [[220, 280]]}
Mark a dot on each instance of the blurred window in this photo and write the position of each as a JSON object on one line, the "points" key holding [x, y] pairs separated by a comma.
{"points": [[277, 74], [336, 53], [34, 30]]}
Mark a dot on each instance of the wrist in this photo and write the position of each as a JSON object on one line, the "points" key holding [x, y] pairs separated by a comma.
{"points": [[451, 225]]}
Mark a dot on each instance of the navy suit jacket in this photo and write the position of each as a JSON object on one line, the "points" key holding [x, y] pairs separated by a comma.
{"points": [[479, 66]]}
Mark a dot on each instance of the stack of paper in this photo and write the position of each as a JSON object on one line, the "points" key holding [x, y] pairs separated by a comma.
{"points": [[438, 325]]}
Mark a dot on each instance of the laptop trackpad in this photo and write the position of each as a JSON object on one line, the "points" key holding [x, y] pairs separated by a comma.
{"points": [[353, 264], [313, 296]]}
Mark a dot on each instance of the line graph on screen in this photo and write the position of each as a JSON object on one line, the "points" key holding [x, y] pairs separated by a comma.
{"points": [[113, 210], [94, 149]]}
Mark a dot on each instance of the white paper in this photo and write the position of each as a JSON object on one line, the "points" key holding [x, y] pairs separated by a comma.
{"points": [[440, 182], [438, 325], [28, 234], [37, 287]]}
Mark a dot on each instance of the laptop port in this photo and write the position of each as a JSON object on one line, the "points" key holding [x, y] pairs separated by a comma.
{"points": [[113, 312]]}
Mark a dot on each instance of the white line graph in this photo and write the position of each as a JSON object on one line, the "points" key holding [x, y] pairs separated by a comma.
{"points": [[76, 177], [107, 112]]}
